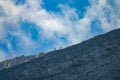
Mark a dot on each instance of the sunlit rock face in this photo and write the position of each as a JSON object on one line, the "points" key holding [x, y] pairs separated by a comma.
{"points": [[94, 59], [15, 61], [18, 61]]}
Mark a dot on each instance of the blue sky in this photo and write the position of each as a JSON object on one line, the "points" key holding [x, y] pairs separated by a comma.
{"points": [[28, 27]]}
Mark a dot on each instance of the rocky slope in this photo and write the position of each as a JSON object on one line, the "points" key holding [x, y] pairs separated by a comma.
{"points": [[94, 59], [15, 61], [18, 60]]}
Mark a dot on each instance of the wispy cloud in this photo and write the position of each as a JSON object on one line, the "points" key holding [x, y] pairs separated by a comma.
{"points": [[2, 56], [54, 26]]}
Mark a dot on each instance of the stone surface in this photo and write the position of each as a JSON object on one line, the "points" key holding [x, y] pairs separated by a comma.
{"points": [[94, 59], [15, 61], [18, 60]]}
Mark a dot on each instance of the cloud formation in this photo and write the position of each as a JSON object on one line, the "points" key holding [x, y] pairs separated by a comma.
{"points": [[54, 26], [2, 56]]}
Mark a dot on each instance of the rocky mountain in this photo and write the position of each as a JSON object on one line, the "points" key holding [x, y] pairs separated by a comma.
{"points": [[15, 61], [95, 59], [18, 60]]}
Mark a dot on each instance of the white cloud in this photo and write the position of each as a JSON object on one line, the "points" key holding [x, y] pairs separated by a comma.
{"points": [[2, 56], [67, 23], [10, 11], [104, 12]]}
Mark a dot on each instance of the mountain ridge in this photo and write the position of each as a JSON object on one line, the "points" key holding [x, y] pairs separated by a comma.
{"points": [[18, 60], [77, 62]]}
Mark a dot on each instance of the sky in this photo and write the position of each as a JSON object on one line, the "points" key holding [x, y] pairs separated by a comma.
{"points": [[29, 27]]}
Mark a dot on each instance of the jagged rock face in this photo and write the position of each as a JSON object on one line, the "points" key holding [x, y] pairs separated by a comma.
{"points": [[18, 60], [15, 61], [94, 59]]}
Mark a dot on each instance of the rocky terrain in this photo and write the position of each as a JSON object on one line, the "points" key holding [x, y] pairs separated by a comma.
{"points": [[17, 60], [94, 59]]}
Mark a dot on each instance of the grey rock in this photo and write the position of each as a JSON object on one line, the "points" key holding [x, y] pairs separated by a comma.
{"points": [[95, 59], [18, 60], [15, 61]]}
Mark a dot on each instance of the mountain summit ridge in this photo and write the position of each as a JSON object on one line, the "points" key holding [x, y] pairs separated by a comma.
{"points": [[95, 59]]}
